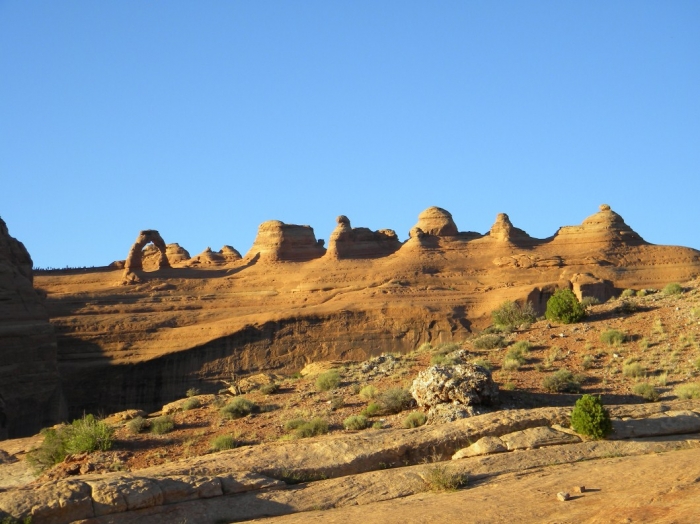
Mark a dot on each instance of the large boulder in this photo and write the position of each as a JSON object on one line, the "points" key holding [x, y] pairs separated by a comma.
{"points": [[465, 384], [436, 221], [278, 242], [360, 242]]}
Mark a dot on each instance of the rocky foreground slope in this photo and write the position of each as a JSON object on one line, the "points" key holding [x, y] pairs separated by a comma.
{"points": [[141, 332]]}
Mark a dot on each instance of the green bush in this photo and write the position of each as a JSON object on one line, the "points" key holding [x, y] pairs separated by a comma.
{"points": [[239, 407], [368, 392], [613, 337], [192, 392], [482, 362], [633, 369], [511, 364], [356, 422], [395, 400], [328, 380], [138, 425], [269, 389], [519, 351], [439, 478], [511, 315], [589, 417], [673, 289], [163, 424], [589, 301], [191, 403], [337, 402], [627, 293], [646, 391], [372, 410], [303, 429], [414, 420], [83, 435], [223, 442], [489, 341], [562, 381], [687, 391], [564, 307]]}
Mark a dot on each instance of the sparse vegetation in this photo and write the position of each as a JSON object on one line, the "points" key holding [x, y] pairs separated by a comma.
{"points": [[564, 307], [414, 420], [191, 403], [223, 442], [633, 369], [590, 418], [673, 289], [239, 407], [192, 392], [328, 380], [372, 410], [587, 362], [395, 400], [368, 392], [489, 341], [84, 435], [627, 293], [163, 424], [688, 391], [356, 422], [138, 425], [482, 362], [589, 301], [562, 381], [613, 337], [511, 364], [511, 315], [300, 428], [438, 477], [519, 352], [646, 391], [269, 389]]}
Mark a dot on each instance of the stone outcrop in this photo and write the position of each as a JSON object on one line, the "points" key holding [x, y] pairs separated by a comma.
{"points": [[30, 390], [587, 285], [504, 231], [360, 242], [151, 256], [225, 255], [437, 222], [605, 226], [134, 261], [280, 242], [465, 384]]}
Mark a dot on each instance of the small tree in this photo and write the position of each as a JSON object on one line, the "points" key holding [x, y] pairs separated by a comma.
{"points": [[590, 418], [564, 307]]}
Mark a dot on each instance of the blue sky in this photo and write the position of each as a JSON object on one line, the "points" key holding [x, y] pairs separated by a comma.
{"points": [[204, 119]]}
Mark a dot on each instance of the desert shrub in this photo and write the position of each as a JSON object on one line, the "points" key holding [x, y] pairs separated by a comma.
{"points": [[511, 315], [414, 420], [633, 369], [378, 425], [293, 424], [613, 337], [687, 391], [439, 478], [369, 392], [627, 293], [447, 347], [589, 417], [239, 407], [587, 362], [519, 351], [269, 389], [138, 425], [328, 380], [646, 391], [425, 346], [482, 362], [395, 400], [163, 424], [84, 435], [562, 381], [372, 410], [443, 360], [627, 307], [337, 402], [642, 293], [11, 520], [191, 403], [589, 301], [673, 289], [511, 364], [564, 307], [312, 428], [489, 341], [223, 442], [356, 422], [192, 392]]}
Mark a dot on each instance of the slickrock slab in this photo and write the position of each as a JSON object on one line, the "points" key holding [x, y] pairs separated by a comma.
{"points": [[537, 438], [483, 446], [668, 423]]}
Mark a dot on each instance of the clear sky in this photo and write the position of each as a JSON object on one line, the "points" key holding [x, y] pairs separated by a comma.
{"points": [[203, 119]]}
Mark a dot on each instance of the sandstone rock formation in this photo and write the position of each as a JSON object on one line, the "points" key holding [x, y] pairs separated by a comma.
{"points": [[605, 226], [504, 231], [30, 388], [225, 255], [436, 221], [280, 242], [360, 242], [134, 261], [465, 384], [151, 257]]}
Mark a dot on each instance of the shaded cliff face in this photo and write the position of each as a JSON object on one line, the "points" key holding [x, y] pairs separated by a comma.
{"points": [[29, 381], [286, 304]]}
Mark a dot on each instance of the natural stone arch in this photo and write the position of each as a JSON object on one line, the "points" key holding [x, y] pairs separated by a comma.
{"points": [[134, 261]]}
